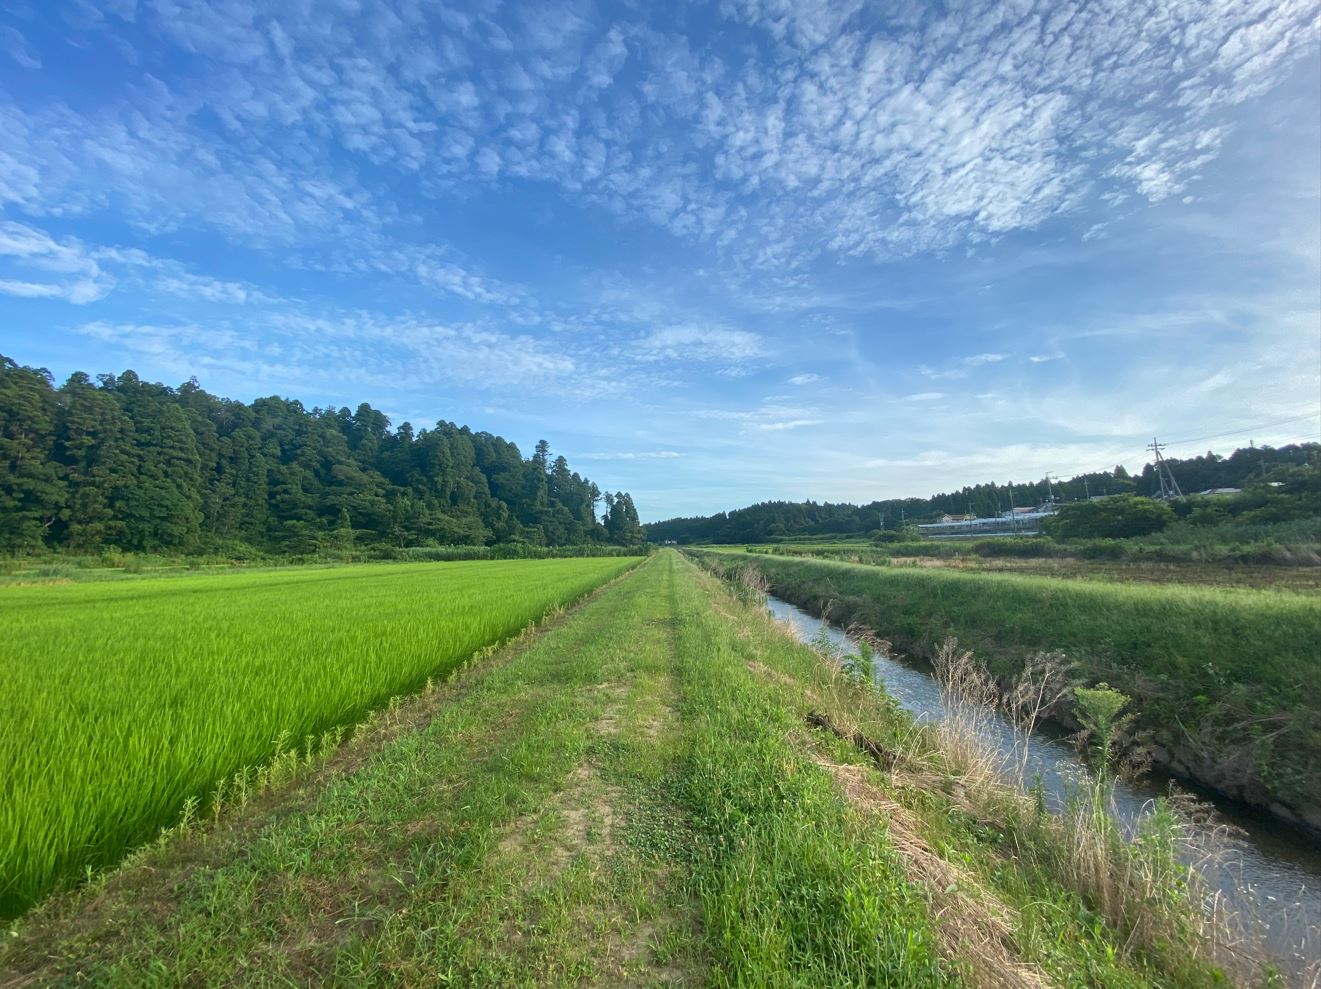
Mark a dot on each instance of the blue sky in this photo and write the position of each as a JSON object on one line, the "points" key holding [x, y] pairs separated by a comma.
{"points": [[714, 253]]}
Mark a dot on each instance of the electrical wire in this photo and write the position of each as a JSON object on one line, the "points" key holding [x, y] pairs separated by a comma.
{"points": [[1249, 429], [1059, 475]]}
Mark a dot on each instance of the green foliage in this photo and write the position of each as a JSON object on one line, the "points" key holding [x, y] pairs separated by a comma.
{"points": [[798, 889], [1293, 542], [621, 520], [124, 700], [628, 798], [861, 666], [124, 464], [1097, 709], [31, 495], [905, 534], [1110, 518]]}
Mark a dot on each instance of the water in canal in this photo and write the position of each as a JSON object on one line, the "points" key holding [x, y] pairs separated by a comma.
{"points": [[1275, 864]]}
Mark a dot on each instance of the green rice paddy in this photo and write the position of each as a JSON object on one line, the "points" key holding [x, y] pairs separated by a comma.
{"points": [[123, 701]]}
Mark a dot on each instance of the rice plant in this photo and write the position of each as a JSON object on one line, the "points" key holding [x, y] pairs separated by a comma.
{"points": [[126, 702]]}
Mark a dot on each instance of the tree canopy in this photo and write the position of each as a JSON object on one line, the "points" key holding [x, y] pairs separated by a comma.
{"points": [[1111, 518], [1253, 468], [124, 463]]}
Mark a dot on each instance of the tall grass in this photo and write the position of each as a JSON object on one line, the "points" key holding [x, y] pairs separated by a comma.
{"points": [[1150, 885], [126, 702], [799, 889], [111, 564]]}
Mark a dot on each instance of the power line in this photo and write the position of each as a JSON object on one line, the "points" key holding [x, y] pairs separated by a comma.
{"points": [[1169, 486], [1198, 439], [1248, 429]]}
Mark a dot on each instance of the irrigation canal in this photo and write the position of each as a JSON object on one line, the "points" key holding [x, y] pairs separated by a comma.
{"points": [[1275, 873]]}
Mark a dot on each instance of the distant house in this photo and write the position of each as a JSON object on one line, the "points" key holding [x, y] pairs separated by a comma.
{"points": [[947, 518], [1016, 512], [1221, 491]]}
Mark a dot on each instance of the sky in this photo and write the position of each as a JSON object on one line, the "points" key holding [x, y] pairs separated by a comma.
{"points": [[714, 253]]}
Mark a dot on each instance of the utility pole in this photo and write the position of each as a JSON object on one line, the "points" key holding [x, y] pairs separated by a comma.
{"points": [[1261, 455], [1169, 487], [1087, 488]]}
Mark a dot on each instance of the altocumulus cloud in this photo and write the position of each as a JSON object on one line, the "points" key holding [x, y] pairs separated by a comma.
{"points": [[793, 129]]}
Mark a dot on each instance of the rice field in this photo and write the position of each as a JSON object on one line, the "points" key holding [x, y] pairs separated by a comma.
{"points": [[123, 701]]}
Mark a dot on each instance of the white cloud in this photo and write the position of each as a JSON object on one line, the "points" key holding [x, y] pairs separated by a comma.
{"points": [[293, 348], [961, 369], [701, 343], [352, 145], [632, 455], [13, 44], [768, 417], [69, 270], [46, 267], [174, 278]]}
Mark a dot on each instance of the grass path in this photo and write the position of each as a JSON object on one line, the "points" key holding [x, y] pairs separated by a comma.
{"points": [[628, 798]]}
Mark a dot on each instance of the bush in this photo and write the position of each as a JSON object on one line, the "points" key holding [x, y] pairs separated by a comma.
{"points": [[1110, 518]]}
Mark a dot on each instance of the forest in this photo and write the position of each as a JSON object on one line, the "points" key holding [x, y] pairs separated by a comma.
{"points": [[1249, 467], [121, 463]]}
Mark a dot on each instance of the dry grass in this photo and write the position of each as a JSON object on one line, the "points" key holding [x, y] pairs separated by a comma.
{"points": [[1151, 886]]}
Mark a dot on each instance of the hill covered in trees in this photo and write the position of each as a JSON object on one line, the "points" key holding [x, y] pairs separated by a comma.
{"points": [[773, 520], [132, 465]]}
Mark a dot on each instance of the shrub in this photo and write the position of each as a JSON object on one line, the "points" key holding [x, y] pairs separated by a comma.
{"points": [[1114, 518]]}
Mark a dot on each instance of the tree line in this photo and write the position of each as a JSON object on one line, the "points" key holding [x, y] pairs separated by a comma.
{"points": [[133, 465], [772, 520]]}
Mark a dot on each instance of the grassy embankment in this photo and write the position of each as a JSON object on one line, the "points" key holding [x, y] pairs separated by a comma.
{"points": [[964, 556], [1221, 678], [631, 797], [1294, 543], [127, 702]]}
